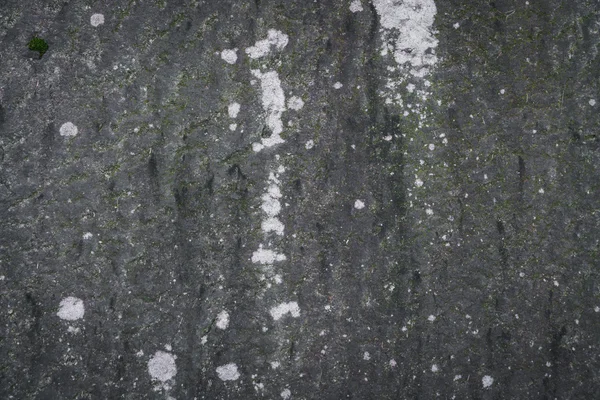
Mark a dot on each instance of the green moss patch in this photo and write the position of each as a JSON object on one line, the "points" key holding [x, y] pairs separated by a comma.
{"points": [[39, 45]]}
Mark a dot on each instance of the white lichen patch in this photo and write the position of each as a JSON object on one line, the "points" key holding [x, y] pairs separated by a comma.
{"points": [[222, 320], [309, 144], [281, 310], [161, 366], [359, 204], [233, 110], [71, 309], [267, 257], [592, 102], [338, 85], [229, 56], [232, 127], [68, 129], [408, 33], [273, 102], [97, 20], [286, 394], [295, 103], [87, 235], [228, 372], [431, 318], [356, 6], [366, 356], [487, 381], [275, 39], [435, 368], [418, 182]]}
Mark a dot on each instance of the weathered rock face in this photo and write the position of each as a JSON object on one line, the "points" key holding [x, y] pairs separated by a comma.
{"points": [[361, 199]]}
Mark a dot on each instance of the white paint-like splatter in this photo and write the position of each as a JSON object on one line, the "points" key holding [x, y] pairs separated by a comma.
{"points": [[309, 144], [337, 85], [267, 257], [87, 235], [295, 103], [71, 309], [284, 308], [273, 101], [229, 56], [487, 381], [223, 320], [409, 33], [275, 38], [356, 6], [161, 366], [228, 372], [359, 204], [68, 129], [97, 20], [233, 110], [286, 394]]}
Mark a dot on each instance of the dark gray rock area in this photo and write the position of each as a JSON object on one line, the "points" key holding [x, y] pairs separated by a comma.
{"points": [[297, 199]]}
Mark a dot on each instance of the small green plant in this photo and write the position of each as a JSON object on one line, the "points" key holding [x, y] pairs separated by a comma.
{"points": [[39, 45]]}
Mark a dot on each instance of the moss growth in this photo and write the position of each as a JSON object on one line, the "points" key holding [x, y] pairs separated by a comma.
{"points": [[39, 45]]}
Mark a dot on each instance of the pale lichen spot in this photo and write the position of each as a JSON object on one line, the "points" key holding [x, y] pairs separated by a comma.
{"points": [[359, 204], [431, 318], [275, 38], [286, 394], [87, 236], [487, 381], [366, 356], [281, 310], [337, 85], [97, 20], [435, 368], [71, 309], [429, 211], [68, 129], [233, 109], [356, 6], [229, 56], [592, 102], [228, 372], [161, 366], [295, 103], [232, 127], [418, 182], [222, 320], [309, 144]]}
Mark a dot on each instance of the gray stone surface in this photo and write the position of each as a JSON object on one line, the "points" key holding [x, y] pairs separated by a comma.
{"points": [[426, 228]]}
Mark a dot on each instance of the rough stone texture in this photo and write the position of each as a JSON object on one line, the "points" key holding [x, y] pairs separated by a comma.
{"points": [[471, 271]]}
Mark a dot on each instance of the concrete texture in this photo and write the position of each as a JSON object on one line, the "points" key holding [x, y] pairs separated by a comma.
{"points": [[366, 199]]}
